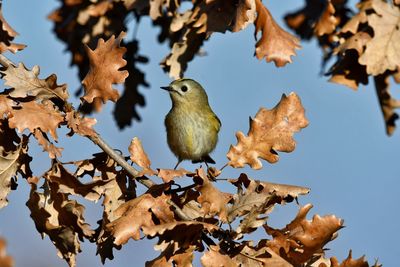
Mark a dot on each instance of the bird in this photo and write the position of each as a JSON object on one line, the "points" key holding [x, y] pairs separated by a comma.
{"points": [[192, 126]]}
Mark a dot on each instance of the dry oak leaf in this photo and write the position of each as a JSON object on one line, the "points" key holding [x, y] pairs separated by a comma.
{"points": [[212, 201], [382, 52], [26, 83], [255, 199], [137, 214], [350, 262], [5, 259], [32, 115], [270, 131], [7, 34], [79, 125], [67, 183], [213, 258], [259, 256], [61, 219], [105, 64], [139, 157], [12, 160], [302, 238], [170, 258], [327, 22], [168, 175], [275, 43], [48, 146], [245, 15]]}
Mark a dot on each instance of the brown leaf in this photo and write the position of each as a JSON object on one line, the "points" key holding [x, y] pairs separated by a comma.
{"points": [[168, 258], [79, 125], [48, 146], [301, 238], [213, 202], [270, 131], [26, 83], [137, 214], [5, 259], [275, 43], [105, 64], [245, 15], [13, 159], [67, 183], [213, 258], [387, 103], [350, 262], [381, 53], [61, 219], [139, 157], [327, 22], [255, 199], [168, 175], [7, 34], [32, 115]]}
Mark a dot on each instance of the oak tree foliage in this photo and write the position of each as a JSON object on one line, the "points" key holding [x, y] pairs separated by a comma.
{"points": [[199, 217]]}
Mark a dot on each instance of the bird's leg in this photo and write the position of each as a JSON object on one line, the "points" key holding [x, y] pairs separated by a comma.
{"points": [[176, 166]]}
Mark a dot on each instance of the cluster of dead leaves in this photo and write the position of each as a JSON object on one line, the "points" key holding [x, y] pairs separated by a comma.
{"points": [[365, 44], [89, 22]]}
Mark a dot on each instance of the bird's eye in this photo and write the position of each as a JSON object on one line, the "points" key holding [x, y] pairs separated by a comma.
{"points": [[184, 88]]}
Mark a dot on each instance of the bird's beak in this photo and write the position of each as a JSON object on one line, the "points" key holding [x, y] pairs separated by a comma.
{"points": [[167, 88]]}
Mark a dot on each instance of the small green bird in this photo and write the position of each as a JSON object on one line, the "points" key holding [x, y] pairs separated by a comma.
{"points": [[192, 126]]}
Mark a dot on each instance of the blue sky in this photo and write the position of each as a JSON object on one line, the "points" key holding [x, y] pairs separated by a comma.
{"points": [[344, 155]]}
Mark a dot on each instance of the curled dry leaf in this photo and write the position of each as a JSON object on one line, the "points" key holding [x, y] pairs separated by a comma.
{"points": [[139, 157], [255, 199], [301, 238], [13, 159], [67, 183], [61, 219], [79, 125], [214, 258], [270, 131], [105, 64], [48, 146], [381, 53], [26, 83], [7, 34], [32, 115], [327, 22], [168, 175], [350, 262], [169, 257], [213, 202], [5, 259], [275, 43]]}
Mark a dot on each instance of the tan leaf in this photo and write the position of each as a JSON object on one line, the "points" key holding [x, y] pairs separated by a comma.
{"points": [[260, 256], [168, 175], [245, 15], [275, 43], [327, 22], [381, 53], [6, 105], [139, 157], [105, 64], [61, 219], [32, 115], [301, 238], [387, 102], [270, 131], [350, 262], [13, 159], [94, 10], [213, 258], [170, 258], [137, 214], [212, 201], [361, 17], [26, 83], [255, 199], [7, 34], [5, 259], [79, 125], [48, 146], [67, 183]]}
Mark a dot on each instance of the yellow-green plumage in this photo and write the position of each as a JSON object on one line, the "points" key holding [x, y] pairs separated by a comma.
{"points": [[192, 126]]}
